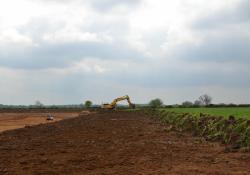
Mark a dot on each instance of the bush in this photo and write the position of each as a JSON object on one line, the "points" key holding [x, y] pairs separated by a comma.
{"points": [[187, 104], [88, 104]]}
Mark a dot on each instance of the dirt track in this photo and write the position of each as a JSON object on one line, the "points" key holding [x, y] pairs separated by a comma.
{"points": [[119, 143]]}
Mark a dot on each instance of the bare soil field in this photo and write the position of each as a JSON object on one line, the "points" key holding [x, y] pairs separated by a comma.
{"points": [[118, 143], [18, 119]]}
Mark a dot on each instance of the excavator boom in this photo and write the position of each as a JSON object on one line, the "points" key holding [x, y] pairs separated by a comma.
{"points": [[112, 105]]}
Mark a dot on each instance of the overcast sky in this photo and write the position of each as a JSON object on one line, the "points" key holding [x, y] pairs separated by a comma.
{"points": [[68, 51]]}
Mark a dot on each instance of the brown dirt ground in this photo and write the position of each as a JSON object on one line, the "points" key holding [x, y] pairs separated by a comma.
{"points": [[118, 143], [13, 120]]}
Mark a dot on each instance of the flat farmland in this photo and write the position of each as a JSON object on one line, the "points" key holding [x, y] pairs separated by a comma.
{"points": [[238, 112]]}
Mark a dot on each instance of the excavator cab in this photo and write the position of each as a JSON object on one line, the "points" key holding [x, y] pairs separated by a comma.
{"points": [[108, 106], [114, 102]]}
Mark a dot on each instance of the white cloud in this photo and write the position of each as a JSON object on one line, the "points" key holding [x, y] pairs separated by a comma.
{"points": [[75, 36], [12, 36], [98, 66], [172, 18]]}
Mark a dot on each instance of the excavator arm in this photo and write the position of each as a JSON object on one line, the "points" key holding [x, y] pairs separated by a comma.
{"points": [[112, 105]]}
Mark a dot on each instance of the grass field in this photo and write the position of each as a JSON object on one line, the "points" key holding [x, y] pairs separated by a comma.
{"points": [[242, 112]]}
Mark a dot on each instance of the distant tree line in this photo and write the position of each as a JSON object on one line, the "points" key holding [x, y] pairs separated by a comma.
{"points": [[40, 105], [203, 101]]}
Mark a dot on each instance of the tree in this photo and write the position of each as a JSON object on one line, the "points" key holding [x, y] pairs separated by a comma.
{"points": [[38, 103], [197, 103], [156, 103], [187, 104], [88, 104], [205, 99]]}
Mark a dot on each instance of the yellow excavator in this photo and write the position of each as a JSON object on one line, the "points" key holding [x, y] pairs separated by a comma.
{"points": [[113, 104]]}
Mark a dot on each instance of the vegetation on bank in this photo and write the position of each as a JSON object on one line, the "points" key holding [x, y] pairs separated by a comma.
{"points": [[230, 131]]}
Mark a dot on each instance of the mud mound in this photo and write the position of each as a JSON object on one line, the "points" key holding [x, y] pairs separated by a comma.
{"points": [[116, 143]]}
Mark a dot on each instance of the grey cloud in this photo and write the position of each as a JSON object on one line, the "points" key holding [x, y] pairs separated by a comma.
{"points": [[219, 49], [239, 14], [118, 29], [224, 36], [106, 5], [177, 78], [48, 55], [62, 55], [100, 5]]}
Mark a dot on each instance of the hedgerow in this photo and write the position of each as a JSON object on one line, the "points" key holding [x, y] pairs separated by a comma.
{"points": [[230, 131]]}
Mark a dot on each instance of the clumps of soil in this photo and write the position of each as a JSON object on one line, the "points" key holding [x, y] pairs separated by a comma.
{"points": [[113, 143], [234, 133]]}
